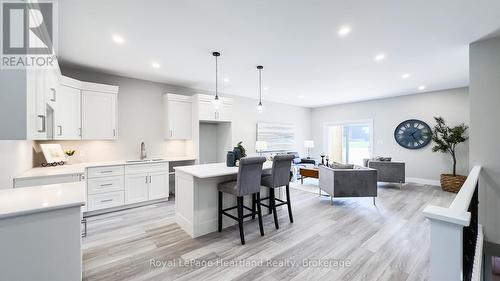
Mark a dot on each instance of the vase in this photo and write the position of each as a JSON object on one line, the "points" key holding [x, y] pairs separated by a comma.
{"points": [[230, 159], [237, 153]]}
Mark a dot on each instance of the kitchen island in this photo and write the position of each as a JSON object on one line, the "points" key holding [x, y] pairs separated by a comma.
{"points": [[196, 196], [40, 232]]}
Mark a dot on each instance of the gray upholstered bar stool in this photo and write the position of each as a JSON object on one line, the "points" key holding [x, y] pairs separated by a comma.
{"points": [[279, 176], [247, 183]]}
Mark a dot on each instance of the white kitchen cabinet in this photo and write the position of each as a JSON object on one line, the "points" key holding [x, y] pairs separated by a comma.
{"points": [[158, 185], [136, 188], [179, 115], [207, 111], [99, 111], [67, 116], [226, 112]]}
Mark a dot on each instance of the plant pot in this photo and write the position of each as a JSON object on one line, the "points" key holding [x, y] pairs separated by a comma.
{"points": [[452, 183]]}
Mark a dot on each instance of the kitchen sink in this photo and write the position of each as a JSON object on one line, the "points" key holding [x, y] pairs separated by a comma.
{"points": [[144, 161]]}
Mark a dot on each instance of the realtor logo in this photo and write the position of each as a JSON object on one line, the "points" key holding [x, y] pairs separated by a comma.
{"points": [[27, 34]]}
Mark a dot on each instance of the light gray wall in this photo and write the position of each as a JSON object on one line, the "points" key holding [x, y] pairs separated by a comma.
{"points": [[386, 114], [15, 158], [485, 130], [140, 118]]}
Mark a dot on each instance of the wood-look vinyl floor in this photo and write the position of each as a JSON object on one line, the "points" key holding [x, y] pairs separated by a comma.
{"points": [[349, 240]]}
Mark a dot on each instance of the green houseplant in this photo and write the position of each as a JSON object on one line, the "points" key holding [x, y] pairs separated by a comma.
{"points": [[446, 140]]}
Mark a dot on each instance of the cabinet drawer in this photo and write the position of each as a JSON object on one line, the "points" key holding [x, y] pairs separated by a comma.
{"points": [[105, 184], [105, 200], [146, 168], [95, 172]]}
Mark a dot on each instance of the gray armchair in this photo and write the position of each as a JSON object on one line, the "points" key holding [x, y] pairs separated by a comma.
{"points": [[358, 182], [388, 171]]}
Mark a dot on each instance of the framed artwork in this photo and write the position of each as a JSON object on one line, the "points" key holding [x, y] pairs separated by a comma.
{"points": [[53, 153], [279, 137]]}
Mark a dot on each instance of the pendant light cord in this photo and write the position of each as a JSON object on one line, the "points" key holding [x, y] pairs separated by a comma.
{"points": [[260, 86], [216, 78]]}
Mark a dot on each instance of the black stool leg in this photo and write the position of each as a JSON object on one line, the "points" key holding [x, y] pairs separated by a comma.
{"points": [[240, 218], [261, 225], [220, 211], [270, 208], [253, 206], [272, 204], [288, 203]]}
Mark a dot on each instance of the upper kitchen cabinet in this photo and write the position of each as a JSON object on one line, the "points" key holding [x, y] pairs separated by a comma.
{"points": [[67, 116], [208, 112], [178, 110], [99, 111]]}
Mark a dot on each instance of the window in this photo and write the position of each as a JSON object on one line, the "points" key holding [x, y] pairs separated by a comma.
{"points": [[348, 142]]}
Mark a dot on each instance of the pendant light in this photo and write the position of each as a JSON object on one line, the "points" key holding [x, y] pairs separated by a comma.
{"points": [[260, 107], [216, 99]]}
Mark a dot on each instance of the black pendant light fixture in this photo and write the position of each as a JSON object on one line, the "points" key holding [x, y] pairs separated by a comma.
{"points": [[216, 99], [260, 107]]}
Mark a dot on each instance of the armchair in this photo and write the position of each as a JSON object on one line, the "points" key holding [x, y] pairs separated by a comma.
{"points": [[357, 182]]}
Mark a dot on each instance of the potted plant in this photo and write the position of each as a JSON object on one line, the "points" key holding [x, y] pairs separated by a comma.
{"points": [[446, 140]]}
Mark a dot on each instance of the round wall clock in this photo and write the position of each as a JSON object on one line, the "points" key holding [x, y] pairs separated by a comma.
{"points": [[413, 134]]}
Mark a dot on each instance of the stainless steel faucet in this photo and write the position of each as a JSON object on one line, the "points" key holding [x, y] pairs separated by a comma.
{"points": [[143, 151]]}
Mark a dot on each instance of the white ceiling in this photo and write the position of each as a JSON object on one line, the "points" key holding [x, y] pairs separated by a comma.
{"points": [[305, 61]]}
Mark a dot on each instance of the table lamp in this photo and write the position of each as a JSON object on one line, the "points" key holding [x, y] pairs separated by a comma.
{"points": [[260, 146], [309, 144]]}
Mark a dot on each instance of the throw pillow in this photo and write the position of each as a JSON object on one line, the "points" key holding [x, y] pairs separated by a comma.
{"points": [[336, 165]]}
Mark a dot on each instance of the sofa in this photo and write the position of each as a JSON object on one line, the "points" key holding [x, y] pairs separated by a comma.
{"points": [[389, 171], [298, 163], [356, 182]]}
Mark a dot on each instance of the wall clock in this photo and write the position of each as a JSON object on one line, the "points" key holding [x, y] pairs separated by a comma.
{"points": [[413, 134]]}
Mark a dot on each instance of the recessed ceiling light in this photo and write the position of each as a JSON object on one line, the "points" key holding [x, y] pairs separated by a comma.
{"points": [[266, 88], [155, 64], [344, 30], [118, 39], [227, 80], [379, 57], [422, 87], [406, 76]]}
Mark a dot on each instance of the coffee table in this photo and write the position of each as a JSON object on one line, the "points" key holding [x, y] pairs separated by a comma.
{"points": [[312, 172]]}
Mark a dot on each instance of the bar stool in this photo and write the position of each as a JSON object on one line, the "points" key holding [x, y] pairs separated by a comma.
{"points": [[247, 183], [279, 176]]}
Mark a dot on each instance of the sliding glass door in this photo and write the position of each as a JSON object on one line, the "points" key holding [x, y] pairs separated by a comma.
{"points": [[348, 142]]}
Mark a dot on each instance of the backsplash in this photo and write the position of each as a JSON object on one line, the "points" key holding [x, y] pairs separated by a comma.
{"points": [[101, 151]]}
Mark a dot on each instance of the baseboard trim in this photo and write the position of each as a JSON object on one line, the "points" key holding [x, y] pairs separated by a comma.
{"points": [[423, 181]]}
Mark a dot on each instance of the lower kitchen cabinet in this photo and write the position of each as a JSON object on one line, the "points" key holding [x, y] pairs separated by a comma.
{"points": [[158, 185], [121, 185], [136, 188]]}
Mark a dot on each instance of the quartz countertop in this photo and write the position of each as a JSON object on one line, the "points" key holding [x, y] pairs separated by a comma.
{"points": [[30, 200], [214, 170], [79, 168]]}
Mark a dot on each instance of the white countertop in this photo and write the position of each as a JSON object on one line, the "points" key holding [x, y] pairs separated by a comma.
{"points": [[79, 168], [30, 200], [214, 170]]}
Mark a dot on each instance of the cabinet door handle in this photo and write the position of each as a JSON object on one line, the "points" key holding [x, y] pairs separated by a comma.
{"points": [[60, 130], [106, 184], [103, 172], [147, 179], [80, 132], [43, 129], [107, 200], [150, 179], [171, 133], [114, 132], [53, 94]]}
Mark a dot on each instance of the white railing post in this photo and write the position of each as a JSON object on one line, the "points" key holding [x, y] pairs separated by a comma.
{"points": [[446, 254]]}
